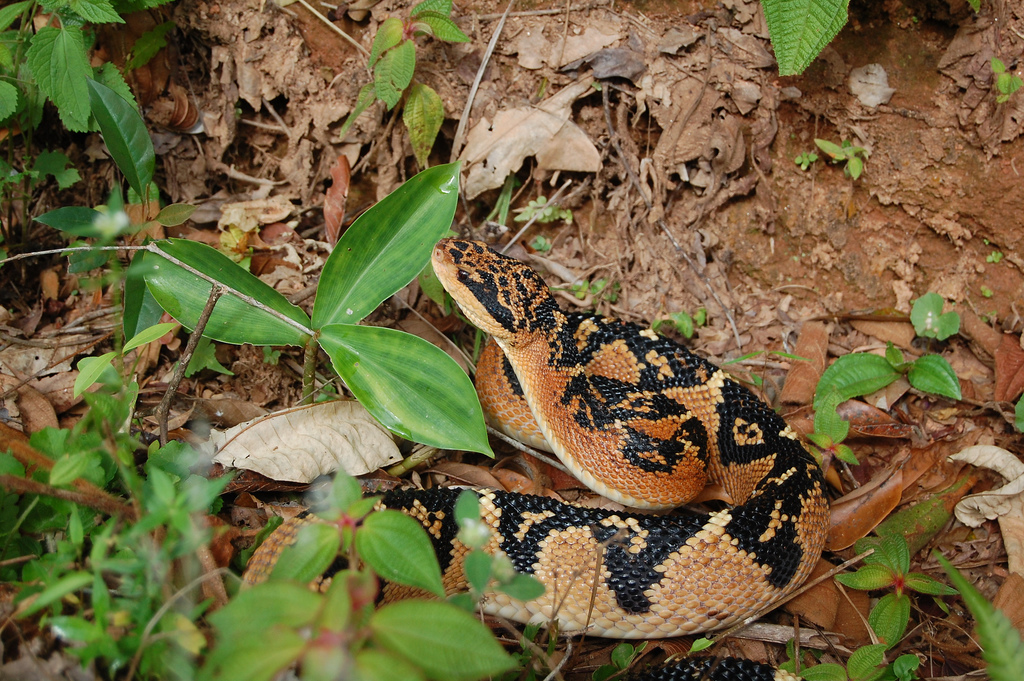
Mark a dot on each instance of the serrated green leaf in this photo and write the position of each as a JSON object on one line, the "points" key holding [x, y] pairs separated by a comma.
{"points": [[800, 29], [147, 336], [77, 220], [11, 12], [183, 296], [441, 6], [922, 583], [89, 371], [888, 619], [854, 375], [59, 63], [174, 214], [384, 249], [1001, 643], [928, 319], [55, 164], [367, 96], [864, 660], [125, 135], [438, 637], [412, 387], [824, 672], [148, 45], [8, 99], [868, 578], [393, 72], [423, 115], [389, 34], [95, 11], [933, 374], [442, 27], [398, 549], [827, 421], [108, 74], [315, 548]]}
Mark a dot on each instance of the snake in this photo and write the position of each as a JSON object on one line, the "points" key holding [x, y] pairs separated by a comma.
{"points": [[641, 420]]}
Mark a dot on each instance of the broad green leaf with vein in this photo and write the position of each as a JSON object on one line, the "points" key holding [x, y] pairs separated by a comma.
{"points": [[933, 374], [800, 29], [409, 385], [315, 548], [854, 375], [398, 549], [889, 618], [388, 35], [59, 63], [77, 220], [125, 135], [184, 296], [8, 99], [386, 247], [393, 72], [423, 115], [864, 660], [141, 310], [89, 371], [440, 26], [447, 643], [95, 11]]}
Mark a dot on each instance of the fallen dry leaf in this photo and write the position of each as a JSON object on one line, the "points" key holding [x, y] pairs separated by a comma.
{"points": [[36, 411], [857, 513], [802, 379], [301, 444], [335, 198], [1005, 503], [1010, 599], [1009, 369]]}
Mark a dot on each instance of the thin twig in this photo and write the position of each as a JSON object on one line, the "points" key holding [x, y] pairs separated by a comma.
{"points": [[460, 131], [179, 371], [553, 203], [526, 449], [543, 12], [101, 502]]}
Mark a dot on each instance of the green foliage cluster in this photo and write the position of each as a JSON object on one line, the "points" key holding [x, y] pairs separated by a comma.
{"points": [[393, 64], [682, 322], [340, 630], [805, 159], [540, 210], [846, 153], [1007, 82], [800, 29], [599, 288], [862, 373]]}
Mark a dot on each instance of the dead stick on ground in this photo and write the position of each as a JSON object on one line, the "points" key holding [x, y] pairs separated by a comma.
{"points": [[101, 502], [186, 355]]}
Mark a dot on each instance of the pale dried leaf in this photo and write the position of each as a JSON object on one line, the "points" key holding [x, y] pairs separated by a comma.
{"points": [[301, 444], [976, 508]]}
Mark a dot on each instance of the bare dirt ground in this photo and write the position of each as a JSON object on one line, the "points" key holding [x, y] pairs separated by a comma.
{"points": [[677, 160]]}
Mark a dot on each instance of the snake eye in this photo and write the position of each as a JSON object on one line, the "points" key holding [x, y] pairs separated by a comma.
{"points": [[462, 276]]}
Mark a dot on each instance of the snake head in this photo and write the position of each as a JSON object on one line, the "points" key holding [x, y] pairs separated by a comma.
{"points": [[499, 294]]}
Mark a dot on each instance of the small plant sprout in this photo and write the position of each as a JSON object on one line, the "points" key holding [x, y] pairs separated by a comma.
{"points": [[852, 156], [682, 322], [930, 322], [805, 159], [994, 257], [986, 291], [1007, 82], [541, 244], [545, 213]]}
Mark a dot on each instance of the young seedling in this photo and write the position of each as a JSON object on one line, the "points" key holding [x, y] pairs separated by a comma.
{"points": [[1007, 82], [805, 159], [852, 156]]}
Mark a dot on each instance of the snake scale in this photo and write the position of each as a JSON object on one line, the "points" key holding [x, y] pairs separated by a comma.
{"points": [[643, 421]]}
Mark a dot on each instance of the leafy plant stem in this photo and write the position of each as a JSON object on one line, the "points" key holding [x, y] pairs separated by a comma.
{"points": [[164, 408]]}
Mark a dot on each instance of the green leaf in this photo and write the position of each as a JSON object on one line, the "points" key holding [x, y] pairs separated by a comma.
{"points": [[447, 643], [423, 115], [905, 665], [148, 45], [701, 644], [824, 672], [864, 660], [253, 610], [393, 73], [389, 34], [205, 357], [827, 421], [891, 550], [147, 336], [386, 247], [477, 568], [377, 665], [467, 506], [11, 12], [443, 7], [95, 11], [868, 578], [1018, 415], [833, 150], [69, 467], [174, 214], [259, 658], [90, 369], [398, 549], [337, 610], [109, 75], [929, 320], [933, 374], [367, 96], [889, 617], [409, 385], [315, 548], [8, 99], [141, 310], [125, 135], [855, 166], [1001, 643], [77, 220], [441, 26], [855, 375], [524, 588], [922, 583], [59, 63], [55, 164], [69, 583], [183, 296]]}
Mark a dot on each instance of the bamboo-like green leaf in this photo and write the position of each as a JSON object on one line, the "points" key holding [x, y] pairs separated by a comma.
{"points": [[147, 336], [800, 29], [183, 295], [423, 115], [398, 549], [141, 310], [11, 12], [409, 385], [125, 135], [89, 371], [386, 247], [174, 214], [69, 583], [447, 643], [77, 220], [933, 374]]}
